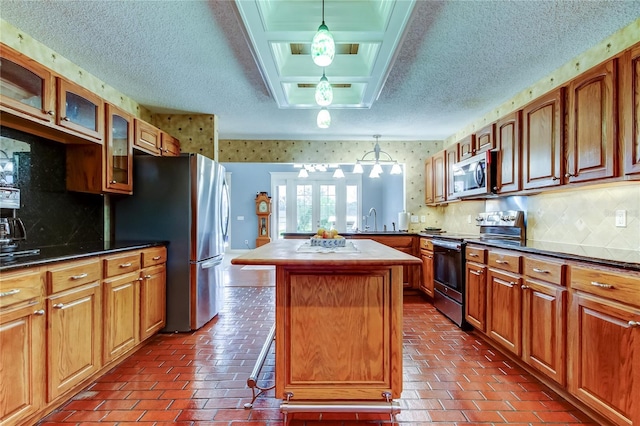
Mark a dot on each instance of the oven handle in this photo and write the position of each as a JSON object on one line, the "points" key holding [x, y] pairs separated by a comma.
{"points": [[447, 244]]}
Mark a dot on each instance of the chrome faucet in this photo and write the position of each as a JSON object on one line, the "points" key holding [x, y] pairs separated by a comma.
{"points": [[375, 218]]}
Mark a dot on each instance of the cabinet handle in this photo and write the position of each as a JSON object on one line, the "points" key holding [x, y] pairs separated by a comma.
{"points": [[472, 255], [10, 292], [508, 284], [634, 324], [156, 257], [478, 272], [66, 119], [58, 305], [555, 178], [39, 312], [79, 277], [540, 271], [600, 285], [125, 265], [502, 261], [524, 287]]}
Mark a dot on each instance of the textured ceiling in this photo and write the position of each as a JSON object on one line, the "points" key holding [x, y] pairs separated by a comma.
{"points": [[458, 61]]}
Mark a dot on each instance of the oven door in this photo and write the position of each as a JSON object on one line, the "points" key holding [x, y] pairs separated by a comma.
{"points": [[448, 264]]}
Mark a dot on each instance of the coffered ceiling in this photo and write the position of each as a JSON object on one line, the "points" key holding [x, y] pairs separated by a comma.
{"points": [[245, 60]]}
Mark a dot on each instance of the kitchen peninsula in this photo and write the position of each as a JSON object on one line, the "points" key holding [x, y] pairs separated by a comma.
{"points": [[338, 325]]}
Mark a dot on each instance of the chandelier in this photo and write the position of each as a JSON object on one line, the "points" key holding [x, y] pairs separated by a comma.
{"points": [[324, 118], [373, 158], [324, 91], [323, 48]]}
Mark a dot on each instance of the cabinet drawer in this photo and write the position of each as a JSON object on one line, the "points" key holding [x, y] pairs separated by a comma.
{"points": [[121, 264], [621, 286], [426, 244], [545, 270], [476, 254], [72, 274], [154, 256], [16, 287], [504, 260]]}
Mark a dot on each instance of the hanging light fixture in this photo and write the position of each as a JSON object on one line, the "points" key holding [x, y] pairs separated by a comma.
{"points": [[323, 48], [373, 158], [338, 173], [324, 91], [324, 118], [303, 173]]}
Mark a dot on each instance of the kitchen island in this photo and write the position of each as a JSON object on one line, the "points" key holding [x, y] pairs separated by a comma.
{"points": [[338, 325]]}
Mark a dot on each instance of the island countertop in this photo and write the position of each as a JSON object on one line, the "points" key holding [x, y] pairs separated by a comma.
{"points": [[294, 252]]}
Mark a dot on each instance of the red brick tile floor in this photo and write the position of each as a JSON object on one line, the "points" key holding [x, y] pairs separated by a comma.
{"points": [[450, 376]]}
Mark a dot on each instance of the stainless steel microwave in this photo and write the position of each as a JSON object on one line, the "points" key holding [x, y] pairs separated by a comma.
{"points": [[475, 176]]}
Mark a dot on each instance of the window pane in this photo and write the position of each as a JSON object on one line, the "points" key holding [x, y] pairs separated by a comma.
{"points": [[352, 207], [282, 210], [327, 206], [304, 201]]}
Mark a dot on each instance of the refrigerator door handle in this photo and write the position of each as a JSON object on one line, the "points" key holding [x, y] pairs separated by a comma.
{"points": [[211, 263]]}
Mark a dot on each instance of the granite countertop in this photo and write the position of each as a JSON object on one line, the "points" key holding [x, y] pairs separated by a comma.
{"points": [[58, 253]]}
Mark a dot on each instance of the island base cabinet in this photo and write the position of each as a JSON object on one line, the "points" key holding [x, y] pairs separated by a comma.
{"points": [[604, 349], [22, 363], [73, 338], [338, 334]]}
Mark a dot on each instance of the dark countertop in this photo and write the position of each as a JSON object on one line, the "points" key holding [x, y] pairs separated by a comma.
{"points": [[59, 253]]}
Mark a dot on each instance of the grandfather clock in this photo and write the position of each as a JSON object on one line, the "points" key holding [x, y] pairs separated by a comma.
{"points": [[263, 211]]}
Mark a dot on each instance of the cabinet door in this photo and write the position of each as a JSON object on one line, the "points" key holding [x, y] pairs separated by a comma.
{"points": [[427, 272], [504, 309], [439, 177], [476, 295], [452, 157], [467, 146], [485, 139], [26, 87], [428, 181], [592, 140], [508, 143], [544, 327], [542, 141], [73, 338], [22, 375], [152, 300], [80, 111], [170, 145], [630, 109], [118, 150], [147, 137], [604, 348], [121, 324]]}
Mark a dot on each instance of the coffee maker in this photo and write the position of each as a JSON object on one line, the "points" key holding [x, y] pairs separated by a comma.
{"points": [[12, 230]]}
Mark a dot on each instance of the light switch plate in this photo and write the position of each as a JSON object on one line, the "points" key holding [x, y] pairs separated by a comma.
{"points": [[414, 218], [240, 217], [621, 218], [423, 219]]}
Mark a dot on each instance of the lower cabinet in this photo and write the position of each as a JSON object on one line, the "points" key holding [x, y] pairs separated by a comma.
{"points": [[404, 243], [153, 313], [504, 309], [426, 255], [121, 315], [476, 295]]}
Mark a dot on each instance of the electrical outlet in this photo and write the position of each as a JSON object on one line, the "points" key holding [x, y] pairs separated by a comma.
{"points": [[621, 218], [423, 219], [240, 217], [468, 218], [414, 218], [246, 243]]}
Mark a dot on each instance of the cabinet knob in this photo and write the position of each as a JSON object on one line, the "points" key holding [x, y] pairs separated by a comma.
{"points": [[567, 175], [51, 113], [66, 119], [58, 305], [524, 287], [140, 279], [113, 181], [555, 178], [39, 312], [634, 324], [147, 276]]}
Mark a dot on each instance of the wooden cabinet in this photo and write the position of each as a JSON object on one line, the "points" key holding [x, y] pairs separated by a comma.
{"points": [[428, 181], [452, 157], [170, 145], [404, 243], [485, 139], [439, 177], [467, 146], [426, 255], [79, 111], [147, 137], [542, 141], [508, 145], [592, 146], [74, 326], [476, 288], [153, 291], [22, 340], [544, 317], [121, 314], [629, 110], [604, 341], [118, 150], [27, 88], [504, 300]]}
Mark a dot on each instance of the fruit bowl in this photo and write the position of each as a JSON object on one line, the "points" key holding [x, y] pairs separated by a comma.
{"points": [[328, 242]]}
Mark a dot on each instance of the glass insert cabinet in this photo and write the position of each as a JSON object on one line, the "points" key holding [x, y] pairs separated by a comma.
{"points": [[118, 149]]}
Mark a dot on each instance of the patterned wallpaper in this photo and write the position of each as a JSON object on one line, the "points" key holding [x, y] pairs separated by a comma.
{"points": [[197, 132]]}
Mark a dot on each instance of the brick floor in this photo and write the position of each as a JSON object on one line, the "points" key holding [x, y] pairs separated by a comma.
{"points": [[450, 376]]}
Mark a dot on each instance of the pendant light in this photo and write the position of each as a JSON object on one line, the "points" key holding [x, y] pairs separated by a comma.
{"points": [[324, 91], [323, 48], [324, 118]]}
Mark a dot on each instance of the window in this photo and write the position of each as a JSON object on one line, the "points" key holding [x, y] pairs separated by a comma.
{"points": [[318, 201]]}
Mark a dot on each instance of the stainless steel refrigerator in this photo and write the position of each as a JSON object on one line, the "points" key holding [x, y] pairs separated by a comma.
{"points": [[183, 200]]}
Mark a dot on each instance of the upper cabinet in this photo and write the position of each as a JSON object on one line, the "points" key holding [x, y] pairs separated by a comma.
{"points": [[118, 150], [591, 138], [79, 110], [485, 139], [428, 181], [508, 144], [439, 180], [147, 137], [170, 145], [630, 110], [452, 157], [27, 88], [467, 146], [542, 137]]}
